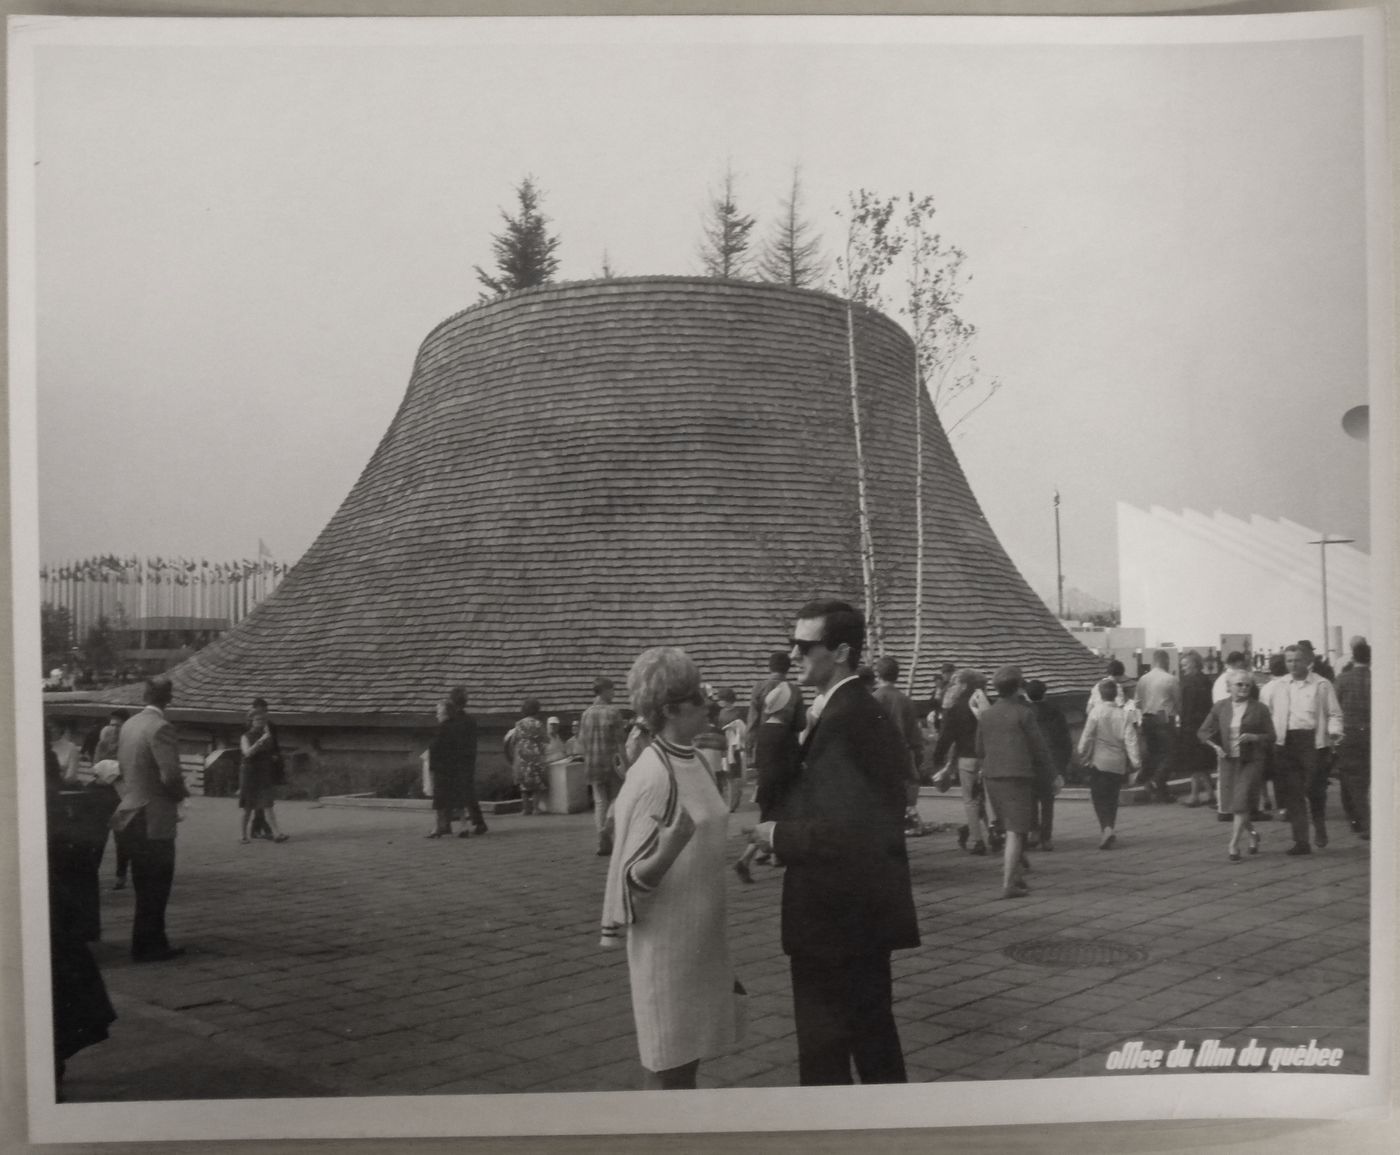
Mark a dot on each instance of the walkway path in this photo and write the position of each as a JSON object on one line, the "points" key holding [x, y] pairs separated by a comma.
{"points": [[361, 958]]}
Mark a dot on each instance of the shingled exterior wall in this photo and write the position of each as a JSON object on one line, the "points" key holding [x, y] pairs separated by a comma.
{"points": [[580, 471]]}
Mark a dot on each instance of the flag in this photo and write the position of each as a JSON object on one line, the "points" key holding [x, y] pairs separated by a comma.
{"points": [[263, 551]]}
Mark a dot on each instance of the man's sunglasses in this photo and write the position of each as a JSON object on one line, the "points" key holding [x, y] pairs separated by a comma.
{"points": [[804, 645]]}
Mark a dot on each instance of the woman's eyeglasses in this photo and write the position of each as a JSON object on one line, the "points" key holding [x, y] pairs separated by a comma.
{"points": [[694, 698]]}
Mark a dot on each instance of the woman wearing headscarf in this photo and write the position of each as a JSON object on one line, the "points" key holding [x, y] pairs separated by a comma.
{"points": [[1109, 745], [1241, 732], [665, 893]]}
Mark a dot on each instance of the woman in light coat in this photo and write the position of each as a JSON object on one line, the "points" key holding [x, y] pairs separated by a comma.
{"points": [[1109, 745], [665, 893]]}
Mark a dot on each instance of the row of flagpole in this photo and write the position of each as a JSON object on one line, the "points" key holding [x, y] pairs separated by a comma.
{"points": [[123, 590]]}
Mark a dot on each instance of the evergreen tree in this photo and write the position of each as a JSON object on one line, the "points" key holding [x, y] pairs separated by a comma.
{"points": [[524, 252], [55, 633], [99, 649], [792, 255], [724, 252]]}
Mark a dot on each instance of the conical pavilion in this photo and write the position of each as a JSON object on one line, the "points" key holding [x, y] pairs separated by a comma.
{"points": [[580, 471]]}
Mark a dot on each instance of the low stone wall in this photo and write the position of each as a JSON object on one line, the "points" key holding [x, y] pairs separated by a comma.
{"points": [[343, 760]]}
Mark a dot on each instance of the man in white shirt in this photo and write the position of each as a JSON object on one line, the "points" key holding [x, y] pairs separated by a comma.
{"points": [[1158, 698], [1307, 722]]}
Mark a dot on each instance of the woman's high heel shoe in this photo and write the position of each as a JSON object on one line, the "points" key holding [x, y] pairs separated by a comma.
{"points": [[1235, 857], [1254, 842]]}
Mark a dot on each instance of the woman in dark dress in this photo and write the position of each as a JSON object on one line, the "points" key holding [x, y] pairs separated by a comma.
{"points": [[1195, 759], [259, 773], [452, 768]]}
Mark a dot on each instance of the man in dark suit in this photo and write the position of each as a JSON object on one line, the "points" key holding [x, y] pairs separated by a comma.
{"points": [[847, 901], [149, 756]]}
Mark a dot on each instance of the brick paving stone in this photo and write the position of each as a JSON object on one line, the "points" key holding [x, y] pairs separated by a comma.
{"points": [[333, 957]]}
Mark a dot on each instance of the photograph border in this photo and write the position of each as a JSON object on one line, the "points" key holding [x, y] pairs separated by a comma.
{"points": [[597, 1113]]}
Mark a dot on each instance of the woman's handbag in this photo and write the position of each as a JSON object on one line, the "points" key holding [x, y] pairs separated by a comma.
{"points": [[276, 769]]}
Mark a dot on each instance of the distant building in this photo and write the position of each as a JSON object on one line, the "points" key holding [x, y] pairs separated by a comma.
{"points": [[1188, 578], [153, 645]]}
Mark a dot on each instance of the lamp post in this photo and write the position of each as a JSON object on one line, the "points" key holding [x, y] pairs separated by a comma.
{"points": [[1322, 545], [1059, 569]]}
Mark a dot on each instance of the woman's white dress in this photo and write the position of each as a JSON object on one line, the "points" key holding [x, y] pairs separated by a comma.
{"points": [[677, 951]]}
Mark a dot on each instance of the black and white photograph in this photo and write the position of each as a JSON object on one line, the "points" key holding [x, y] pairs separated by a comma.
{"points": [[613, 575]]}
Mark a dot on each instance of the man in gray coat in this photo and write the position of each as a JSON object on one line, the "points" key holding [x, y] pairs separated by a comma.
{"points": [[149, 756]]}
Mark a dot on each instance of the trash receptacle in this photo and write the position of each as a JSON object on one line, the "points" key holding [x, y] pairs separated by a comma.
{"points": [[568, 786]]}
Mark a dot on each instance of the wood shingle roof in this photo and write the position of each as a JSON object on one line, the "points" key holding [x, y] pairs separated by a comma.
{"points": [[579, 471]]}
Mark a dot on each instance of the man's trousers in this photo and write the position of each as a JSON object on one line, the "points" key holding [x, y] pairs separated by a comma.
{"points": [[844, 1015]]}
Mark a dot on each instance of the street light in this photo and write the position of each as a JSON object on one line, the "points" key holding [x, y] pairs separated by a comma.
{"points": [[1322, 545], [1059, 567]]}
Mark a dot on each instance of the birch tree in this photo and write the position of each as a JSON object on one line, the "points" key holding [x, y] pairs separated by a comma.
{"points": [[945, 368], [872, 242]]}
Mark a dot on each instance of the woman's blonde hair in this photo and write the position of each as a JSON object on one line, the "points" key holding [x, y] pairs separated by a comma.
{"points": [[660, 676]]}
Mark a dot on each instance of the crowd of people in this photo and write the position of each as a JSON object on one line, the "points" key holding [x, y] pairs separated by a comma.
{"points": [[836, 778]]}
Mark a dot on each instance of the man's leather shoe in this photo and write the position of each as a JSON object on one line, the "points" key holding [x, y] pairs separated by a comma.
{"points": [[172, 952], [1299, 848]]}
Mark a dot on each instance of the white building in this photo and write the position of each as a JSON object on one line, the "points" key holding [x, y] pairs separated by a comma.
{"points": [[1187, 578]]}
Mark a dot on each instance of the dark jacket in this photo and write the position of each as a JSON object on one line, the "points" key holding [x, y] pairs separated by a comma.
{"points": [[452, 760], [1051, 720], [1010, 743], [1192, 755], [840, 833], [1256, 720], [900, 710], [958, 733]]}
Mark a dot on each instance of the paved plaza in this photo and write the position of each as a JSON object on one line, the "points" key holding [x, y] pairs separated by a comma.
{"points": [[360, 958]]}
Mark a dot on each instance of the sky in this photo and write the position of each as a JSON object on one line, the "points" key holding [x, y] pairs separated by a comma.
{"points": [[240, 247]]}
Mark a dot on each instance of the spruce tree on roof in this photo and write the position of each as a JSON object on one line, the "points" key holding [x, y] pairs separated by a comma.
{"points": [[792, 255], [724, 245], [524, 252]]}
